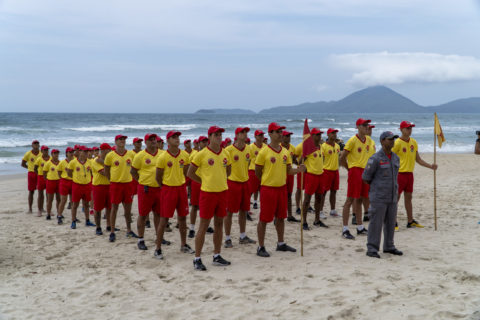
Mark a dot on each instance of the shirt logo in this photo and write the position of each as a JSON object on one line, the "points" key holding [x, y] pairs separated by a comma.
{"points": [[211, 161], [78, 168], [169, 164], [329, 151], [272, 159], [256, 152], [53, 169], [412, 148], [404, 150], [42, 164], [32, 159], [368, 148], [235, 157], [148, 161], [128, 162], [117, 163], [315, 155], [384, 162], [225, 162], [248, 156], [359, 150], [284, 159], [181, 162], [88, 168]]}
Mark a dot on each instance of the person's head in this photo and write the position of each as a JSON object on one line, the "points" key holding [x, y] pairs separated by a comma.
{"points": [[406, 128], [82, 153], [96, 151], [44, 150], [35, 145], [362, 126], [195, 144], [151, 141], [137, 143], [76, 150], [369, 131], [69, 153], [55, 153], [89, 153], [202, 142], [247, 141], [259, 137], [387, 139], [241, 134], [160, 143], [120, 141], [187, 144], [316, 135], [332, 134], [478, 133], [286, 137], [275, 131], [228, 142], [105, 148], [173, 139], [215, 136]]}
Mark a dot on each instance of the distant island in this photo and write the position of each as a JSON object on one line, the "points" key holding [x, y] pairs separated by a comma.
{"points": [[377, 99]]}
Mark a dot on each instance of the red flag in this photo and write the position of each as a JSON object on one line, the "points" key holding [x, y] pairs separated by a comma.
{"points": [[308, 144]]}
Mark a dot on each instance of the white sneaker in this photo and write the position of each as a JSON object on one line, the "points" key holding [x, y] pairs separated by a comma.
{"points": [[322, 215], [333, 213]]}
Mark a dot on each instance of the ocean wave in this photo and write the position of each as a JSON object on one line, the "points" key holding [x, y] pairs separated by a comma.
{"points": [[120, 127]]}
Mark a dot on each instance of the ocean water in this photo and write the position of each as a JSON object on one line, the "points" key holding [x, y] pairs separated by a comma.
{"points": [[59, 130]]}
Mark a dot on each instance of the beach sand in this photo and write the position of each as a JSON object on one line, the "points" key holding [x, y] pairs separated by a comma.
{"points": [[51, 272]]}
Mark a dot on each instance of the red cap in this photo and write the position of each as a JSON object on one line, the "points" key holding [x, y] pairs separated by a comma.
{"points": [[114, 148], [148, 136], [316, 131], [227, 140], [287, 133], [259, 132], [135, 140], [195, 141], [240, 129], [214, 129], [120, 136], [202, 138], [159, 139], [275, 126], [82, 148], [105, 146], [370, 126], [95, 148], [248, 140], [43, 148], [76, 147], [54, 151], [69, 150], [361, 121], [331, 130], [173, 133], [35, 141], [223, 144], [406, 124], [186, 141]]}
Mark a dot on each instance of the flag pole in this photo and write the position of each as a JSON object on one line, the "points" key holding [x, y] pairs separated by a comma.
{"points": [[435, 173], [301, 210]]}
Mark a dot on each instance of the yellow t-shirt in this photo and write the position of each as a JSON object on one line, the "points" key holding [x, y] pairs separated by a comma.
{"points": [[407, 152], [50, 169], [274, 165], [254, 150], [358, 151], [40, 162], [62, 166], [98, 178], [213, 169], [330, 156], [240, 162], [313, 162], [81, 172], [173, 167], [372, 148], [145, 163], [120, 166], [30, 158]]}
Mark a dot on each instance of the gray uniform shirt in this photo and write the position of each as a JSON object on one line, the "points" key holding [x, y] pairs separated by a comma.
{"points": [[382, 173]]}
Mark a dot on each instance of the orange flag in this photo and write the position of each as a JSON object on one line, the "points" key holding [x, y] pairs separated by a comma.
{"points": [[308, 144], [439, 132]]}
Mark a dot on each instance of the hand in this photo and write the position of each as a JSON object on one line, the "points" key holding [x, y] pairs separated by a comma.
{"points": [[434, 167], [301, 168]]}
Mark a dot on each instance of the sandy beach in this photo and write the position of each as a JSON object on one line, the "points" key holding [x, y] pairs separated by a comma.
{"points": [[52, 272]]}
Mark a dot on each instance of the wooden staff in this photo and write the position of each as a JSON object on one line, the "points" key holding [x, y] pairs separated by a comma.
{"points": [[435, 173], [301, 209]]}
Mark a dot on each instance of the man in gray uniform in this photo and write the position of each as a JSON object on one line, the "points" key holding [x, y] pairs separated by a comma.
{"points": [[381, 173]]}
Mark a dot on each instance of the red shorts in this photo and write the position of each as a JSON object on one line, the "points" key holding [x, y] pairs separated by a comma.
{"points": [[134, 186], [213, 204], [331, 180], [53, 186], [81, 192], [120, 192], [356, 187], [299, 180], [253, 182], [195, 193], [273, 203], [32, 181], [405, 182], [149, 201], [41, 183], [101, 197], [238, 196], [174, 198], [290, 183], [65, 187], [313, 183]]}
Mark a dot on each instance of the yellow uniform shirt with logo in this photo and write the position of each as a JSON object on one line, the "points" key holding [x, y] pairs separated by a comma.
{"points": [[146, 165], [313, 162], [30, 158], [372, 148], [120, 166], [62, 167], [407, 152], [240, 162], [81, 172], [274, 166], [330, 156], [213, 169], [40, 162], [173, 167], [51, 170], [98, 178], [358, 151], [254, 150]]}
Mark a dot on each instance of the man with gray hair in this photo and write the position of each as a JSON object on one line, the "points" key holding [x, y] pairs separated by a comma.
{"points": [[381, 174]]}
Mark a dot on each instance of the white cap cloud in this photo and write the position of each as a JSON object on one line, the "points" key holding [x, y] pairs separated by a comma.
{"points": [[396, 68]]}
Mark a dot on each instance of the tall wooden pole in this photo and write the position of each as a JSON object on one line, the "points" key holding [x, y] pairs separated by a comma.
{"points": [[435, 172], [301, 209]]}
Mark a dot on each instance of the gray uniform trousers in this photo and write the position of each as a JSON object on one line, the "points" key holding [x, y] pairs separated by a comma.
{"points": [[381, 215]]}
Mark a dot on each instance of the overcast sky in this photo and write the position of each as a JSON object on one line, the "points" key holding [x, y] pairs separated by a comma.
{"points": [[182, 55]]}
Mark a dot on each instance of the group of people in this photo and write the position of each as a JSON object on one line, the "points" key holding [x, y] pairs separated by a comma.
{"points": [[219, 177]]}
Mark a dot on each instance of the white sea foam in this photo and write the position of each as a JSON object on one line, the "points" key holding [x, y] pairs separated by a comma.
{"points": [[120, 127]]}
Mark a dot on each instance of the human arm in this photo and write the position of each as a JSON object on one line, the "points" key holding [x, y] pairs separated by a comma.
{"points": [[425, 164]]}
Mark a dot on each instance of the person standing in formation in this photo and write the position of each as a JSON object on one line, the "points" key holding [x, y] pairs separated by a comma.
{"points": [[28, 162], [41, 183], [331, 176]]}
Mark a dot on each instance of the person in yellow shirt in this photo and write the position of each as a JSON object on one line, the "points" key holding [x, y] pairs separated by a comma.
{"points": [[172, 166], [52, 181], [148, 191], [65, 186], [238, 187], [137, 147], [28, 162], [210, 168], [272, 165], [286, 138], [101, 190], [41, 183], [354, 158], [407, 150], [253, 180], [187, 144], [80, 171], [331, 176], [117, 169]]}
